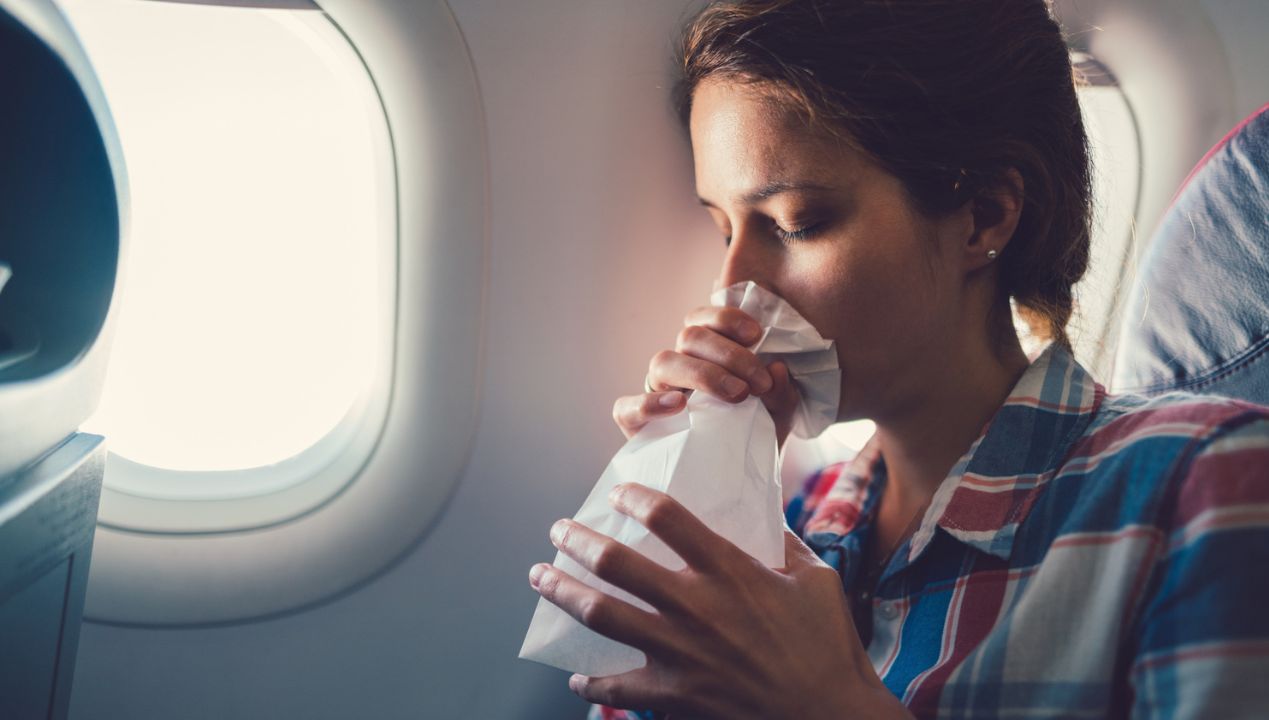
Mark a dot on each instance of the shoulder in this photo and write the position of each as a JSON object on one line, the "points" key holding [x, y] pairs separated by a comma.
{"points": [[1221, 481], [1126, 415], [1202, 637], [1174, 435], [1154, 462]]}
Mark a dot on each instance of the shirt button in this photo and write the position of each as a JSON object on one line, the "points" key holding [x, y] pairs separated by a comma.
{"points": [[887, 611]]}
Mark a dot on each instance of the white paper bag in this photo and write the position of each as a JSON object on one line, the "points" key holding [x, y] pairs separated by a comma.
{"points": [[718, 459]]}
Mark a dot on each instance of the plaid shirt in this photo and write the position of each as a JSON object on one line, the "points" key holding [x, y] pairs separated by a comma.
{"points": [[1088, 556]]}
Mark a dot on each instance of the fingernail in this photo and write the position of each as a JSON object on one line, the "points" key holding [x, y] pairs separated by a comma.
{"points": [[771, 369], [557, 531], [734, 386], [535, 574], [748, 331], [614, 495], [574, 682], [671, 399], [761, 380]]}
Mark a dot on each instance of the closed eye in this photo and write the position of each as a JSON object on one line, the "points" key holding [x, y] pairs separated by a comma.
{"points": [[803, 233]]}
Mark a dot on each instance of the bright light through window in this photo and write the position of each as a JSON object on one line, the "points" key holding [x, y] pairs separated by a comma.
{"points": [[1116, 164], [1112, 136], [253, 141]]}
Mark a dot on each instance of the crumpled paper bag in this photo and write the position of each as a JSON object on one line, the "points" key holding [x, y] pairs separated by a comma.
{"points": [[718, 459]]}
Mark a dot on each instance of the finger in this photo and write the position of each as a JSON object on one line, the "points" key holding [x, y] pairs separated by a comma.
{"points": [[599, 611], [632, 412], [797, 555], [783, 397], [732, 322], [707, 344], [670, 369], [634, 690], [700, 547], [784, 392], [616, 563]]}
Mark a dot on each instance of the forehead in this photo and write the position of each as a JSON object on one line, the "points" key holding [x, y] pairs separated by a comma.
{"points": [[745, 136]]}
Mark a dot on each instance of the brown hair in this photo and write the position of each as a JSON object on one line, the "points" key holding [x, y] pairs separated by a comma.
{"points": [[929, 89]]}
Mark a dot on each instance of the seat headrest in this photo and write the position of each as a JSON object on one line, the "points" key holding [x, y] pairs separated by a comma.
{"points": [[1197, 318], [60, 210]]}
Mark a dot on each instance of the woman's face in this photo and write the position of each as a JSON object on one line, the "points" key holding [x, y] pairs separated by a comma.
{"points": [[837, 237]]}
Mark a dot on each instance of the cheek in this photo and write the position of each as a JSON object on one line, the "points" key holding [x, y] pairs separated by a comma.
{"points": [[879, 300], [826, 292]]}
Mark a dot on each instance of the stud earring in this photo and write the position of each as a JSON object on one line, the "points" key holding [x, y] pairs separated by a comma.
{"points": [[991, 254]]}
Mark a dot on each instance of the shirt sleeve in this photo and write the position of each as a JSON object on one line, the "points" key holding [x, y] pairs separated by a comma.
{"points": [[1202, 637]]}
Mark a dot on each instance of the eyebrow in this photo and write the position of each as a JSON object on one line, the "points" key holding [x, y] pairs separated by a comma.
{"points": [[771, 189]]}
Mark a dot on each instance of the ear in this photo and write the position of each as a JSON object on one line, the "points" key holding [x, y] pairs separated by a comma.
{"points": [[995, 211]]}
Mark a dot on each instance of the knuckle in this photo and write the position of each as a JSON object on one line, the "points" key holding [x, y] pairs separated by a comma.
{"points": [[661, 358], [741, 359], [716, 377], [709, 375], [694, 317], [649, 405], [607, 560], [594, 610], [660, 514], [692, 335]]}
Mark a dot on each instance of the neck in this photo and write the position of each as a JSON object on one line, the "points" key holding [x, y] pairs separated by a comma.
{"points": [[921, 445]]}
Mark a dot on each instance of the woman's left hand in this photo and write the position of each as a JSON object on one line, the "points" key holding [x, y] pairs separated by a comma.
{"points": [[729, 638]]}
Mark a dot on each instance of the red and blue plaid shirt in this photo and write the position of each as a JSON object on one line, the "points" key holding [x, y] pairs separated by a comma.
{"points": [[1088, 556]]}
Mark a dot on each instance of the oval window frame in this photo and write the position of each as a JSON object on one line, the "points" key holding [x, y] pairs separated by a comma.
{"points": [[422, 70], [143, 498]]}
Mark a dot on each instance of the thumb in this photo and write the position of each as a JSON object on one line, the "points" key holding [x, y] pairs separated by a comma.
{"points": [[784, 392], [796, 553], [782, 399]]}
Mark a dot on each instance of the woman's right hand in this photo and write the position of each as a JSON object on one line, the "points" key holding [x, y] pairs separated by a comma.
{"points": [[711, 355]]}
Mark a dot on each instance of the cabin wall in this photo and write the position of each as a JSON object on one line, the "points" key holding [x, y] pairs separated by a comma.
{"points": [[597, 251]]}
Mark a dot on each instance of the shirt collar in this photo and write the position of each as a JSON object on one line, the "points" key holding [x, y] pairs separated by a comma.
{"points": [[993, 486]]}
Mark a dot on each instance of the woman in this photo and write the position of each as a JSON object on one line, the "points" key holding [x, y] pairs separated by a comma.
{"points": [[1012, 541]]}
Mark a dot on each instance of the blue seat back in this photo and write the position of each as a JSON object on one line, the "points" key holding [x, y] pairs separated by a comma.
{"points": [[1198, 315]]}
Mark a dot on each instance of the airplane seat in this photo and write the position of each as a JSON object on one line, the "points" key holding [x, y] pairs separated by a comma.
{"points": [[61, 214], [1198, 315]]}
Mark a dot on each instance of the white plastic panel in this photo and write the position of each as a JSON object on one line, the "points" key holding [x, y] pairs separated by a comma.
{"points": [[425, 83], [249, 377], [598, 249]]}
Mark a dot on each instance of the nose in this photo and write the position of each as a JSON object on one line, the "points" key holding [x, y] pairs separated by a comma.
{"points": [[744, 261]]}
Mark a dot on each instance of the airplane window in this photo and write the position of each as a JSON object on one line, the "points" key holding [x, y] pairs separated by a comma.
{"points": [[253, 301], [1116, 158], [1116, 155], [307, 266]]}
